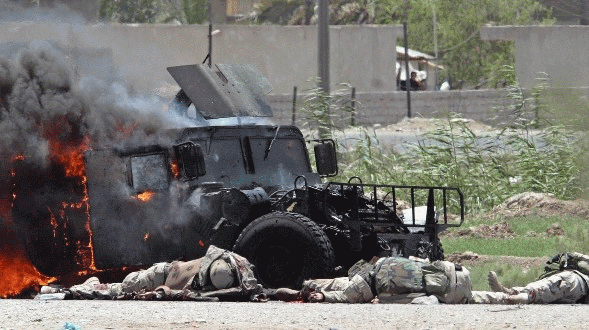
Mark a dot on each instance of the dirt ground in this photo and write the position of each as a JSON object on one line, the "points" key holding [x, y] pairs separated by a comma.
{"points": [[35, 314], [92, 314], [530, 203], [29, 314], [521, 205]]}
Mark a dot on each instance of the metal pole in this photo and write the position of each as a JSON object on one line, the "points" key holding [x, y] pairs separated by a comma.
{"points": [[210, 43], [407, 74], [435, 46], [323, 40], [294, 104], [210, 33], [353, 105]]}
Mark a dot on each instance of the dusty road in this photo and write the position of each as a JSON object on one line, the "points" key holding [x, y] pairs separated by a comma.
{"points": [[33, 314]]}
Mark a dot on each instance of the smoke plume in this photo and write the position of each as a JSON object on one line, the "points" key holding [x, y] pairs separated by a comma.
{"points": [[50, 115]]}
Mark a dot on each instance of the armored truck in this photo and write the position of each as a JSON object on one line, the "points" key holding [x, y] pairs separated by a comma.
{"points": [[233, 179]]}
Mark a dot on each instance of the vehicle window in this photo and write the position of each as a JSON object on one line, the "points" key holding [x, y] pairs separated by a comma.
{"points": [[149, 172], [287, 154], [224, 157]]}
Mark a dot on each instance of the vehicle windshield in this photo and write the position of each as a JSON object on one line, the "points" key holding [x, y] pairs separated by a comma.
{"points": [[283, 155]]}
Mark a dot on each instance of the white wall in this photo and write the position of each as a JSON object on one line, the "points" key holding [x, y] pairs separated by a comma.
{"points": [[385, 108], [363, 56], [558, 52]]}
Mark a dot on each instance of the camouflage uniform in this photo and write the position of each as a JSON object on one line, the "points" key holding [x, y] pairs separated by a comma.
{"points": [[147, 279], [565, 281], [567, 287], [396, 279], [176, 280]]}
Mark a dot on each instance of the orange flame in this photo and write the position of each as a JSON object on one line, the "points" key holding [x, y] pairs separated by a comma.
{"points": [[145, 196], [19, 274], [17, 271], [54, 224], [8, 212], [72, 157], [175, 169], [146, 236]]}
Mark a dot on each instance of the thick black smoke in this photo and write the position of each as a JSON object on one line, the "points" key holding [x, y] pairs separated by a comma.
{"points": [[47, 108], [40, 96], [50, 103]]}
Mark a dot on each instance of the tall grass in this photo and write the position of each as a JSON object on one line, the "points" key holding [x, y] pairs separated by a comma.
{"points": [[321, 110], [541, 148], [532, 152]]}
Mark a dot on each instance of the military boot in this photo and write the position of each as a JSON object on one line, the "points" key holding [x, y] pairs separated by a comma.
{"points": [[498, 287], [286, 294]]}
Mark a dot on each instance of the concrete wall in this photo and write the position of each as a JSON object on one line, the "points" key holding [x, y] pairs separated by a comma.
{"points": [[384, 108], [363, 56], [558, 52]]}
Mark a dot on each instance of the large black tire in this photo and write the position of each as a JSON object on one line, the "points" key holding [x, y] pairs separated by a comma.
{"points": [[286, 249]]}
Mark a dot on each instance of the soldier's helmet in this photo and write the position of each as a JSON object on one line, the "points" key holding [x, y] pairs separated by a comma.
{"points": [[221, 274]]}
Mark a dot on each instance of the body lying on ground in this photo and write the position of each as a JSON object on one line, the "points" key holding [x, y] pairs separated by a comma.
{"points": [[564, 281], [389, 279], [220, 274], [401, 280]]}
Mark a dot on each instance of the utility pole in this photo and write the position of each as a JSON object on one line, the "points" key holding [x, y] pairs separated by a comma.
{"points": [[407, 73], [323, 45], [210, 32], [435, 45]]}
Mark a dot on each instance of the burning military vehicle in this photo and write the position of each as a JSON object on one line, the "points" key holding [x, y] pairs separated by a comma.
{"points": [[220, 178], [249, 188]]}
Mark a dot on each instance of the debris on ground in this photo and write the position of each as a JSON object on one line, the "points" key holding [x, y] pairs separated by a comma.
{"points": [[71, 326], [555, 230], [470, 259], [461, 257], [531, 203], [498, 230]]}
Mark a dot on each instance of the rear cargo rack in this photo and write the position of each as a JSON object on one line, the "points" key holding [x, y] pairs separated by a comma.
{"points": [[389, 195]]}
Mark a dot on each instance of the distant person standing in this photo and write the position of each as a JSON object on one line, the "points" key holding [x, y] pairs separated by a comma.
{"points": [[414, 83]]}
